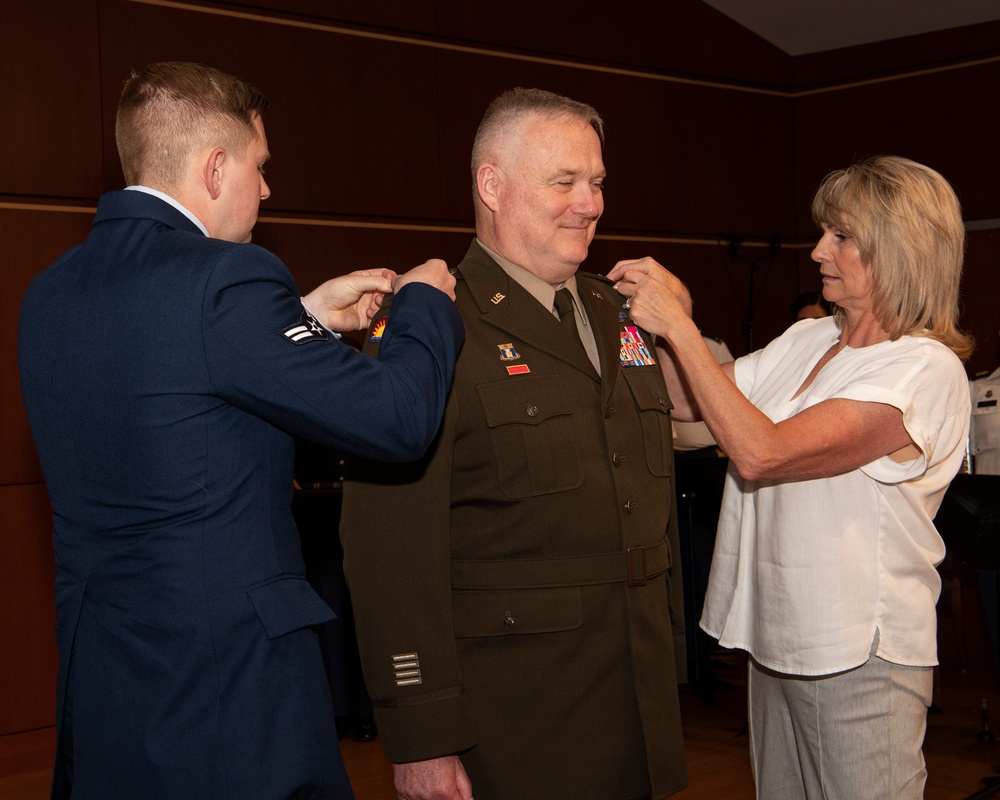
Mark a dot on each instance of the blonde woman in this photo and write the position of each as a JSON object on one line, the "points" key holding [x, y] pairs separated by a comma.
{"points": [[842, 434]]}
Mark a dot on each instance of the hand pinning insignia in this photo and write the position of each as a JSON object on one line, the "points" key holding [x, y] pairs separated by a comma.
{"points": [[308, 329]]}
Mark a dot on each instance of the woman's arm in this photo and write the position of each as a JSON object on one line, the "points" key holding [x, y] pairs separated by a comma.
{"points": [[830, 438]]}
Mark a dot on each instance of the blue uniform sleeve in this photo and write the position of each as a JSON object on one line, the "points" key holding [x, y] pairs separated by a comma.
{"points": [[266, 355]]}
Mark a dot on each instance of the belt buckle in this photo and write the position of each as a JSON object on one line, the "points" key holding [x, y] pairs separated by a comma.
{"points": [[633, 579]]}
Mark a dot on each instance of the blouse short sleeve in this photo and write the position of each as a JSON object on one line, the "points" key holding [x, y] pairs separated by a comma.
{"points": [[926, 382]]}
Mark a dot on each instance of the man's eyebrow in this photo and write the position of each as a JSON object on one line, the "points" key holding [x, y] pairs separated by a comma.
{"points": [[567, 172]]}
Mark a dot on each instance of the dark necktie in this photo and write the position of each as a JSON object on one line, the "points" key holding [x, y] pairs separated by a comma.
{"points": [[564, 307]]}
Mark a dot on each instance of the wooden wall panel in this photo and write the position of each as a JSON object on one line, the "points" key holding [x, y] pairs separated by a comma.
{"points": [[346, 113], [682, 36], [49, 90], [27, 612], [372, 107], [647, 183], [32, 240], [671, 148], [710, 130], [939, 119], [398, 15], [740, 149], [896, 56], [640, 129], [685, 37], [315, 253]]}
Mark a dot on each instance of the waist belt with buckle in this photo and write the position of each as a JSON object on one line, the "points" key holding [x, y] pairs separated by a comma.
{"points": [[633, 566]]}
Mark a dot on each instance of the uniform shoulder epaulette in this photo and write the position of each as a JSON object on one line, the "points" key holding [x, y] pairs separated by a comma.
{"points": [[594, 276], [597, 285]]}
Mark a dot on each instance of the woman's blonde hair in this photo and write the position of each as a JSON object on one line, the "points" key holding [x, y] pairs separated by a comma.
{"points": [[907, 223]]}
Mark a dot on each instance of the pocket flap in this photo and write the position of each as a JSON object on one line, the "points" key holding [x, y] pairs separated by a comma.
{"points": [[648, 391], [509, 612], [528, 401], [287, 604]]}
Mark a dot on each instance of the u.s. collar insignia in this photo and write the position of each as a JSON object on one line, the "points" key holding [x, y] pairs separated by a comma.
{"points": [[377, 330], [634, 352], [497, 298], [307, 329], [507, 352]]}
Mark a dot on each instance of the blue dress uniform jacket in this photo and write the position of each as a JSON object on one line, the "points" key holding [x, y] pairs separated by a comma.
{"points": [[515, 606], [164, 375]]}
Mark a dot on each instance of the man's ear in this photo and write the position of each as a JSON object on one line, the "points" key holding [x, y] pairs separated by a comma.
{"points": [[213, 172], [488, 178]]}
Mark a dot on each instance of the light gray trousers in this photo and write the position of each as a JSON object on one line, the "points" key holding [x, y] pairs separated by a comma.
{"points": [[855, 735]]}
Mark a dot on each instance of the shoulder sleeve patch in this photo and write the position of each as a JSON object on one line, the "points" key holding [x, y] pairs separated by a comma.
{"points": [[307, 329]]}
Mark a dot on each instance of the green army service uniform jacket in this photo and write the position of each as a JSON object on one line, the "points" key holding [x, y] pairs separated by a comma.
{"points": [[512, 590]]}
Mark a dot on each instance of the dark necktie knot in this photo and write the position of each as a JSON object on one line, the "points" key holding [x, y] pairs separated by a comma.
{"points": [[564, 307]]}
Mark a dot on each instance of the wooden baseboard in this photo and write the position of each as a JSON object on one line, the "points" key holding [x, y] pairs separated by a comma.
{"points": [[27, 750]]}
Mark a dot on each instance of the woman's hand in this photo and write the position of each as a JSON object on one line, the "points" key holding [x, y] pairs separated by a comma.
{"points": [[657, 299]]}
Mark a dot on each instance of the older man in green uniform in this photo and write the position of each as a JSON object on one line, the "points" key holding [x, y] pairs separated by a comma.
{"points": [[514, 607]]}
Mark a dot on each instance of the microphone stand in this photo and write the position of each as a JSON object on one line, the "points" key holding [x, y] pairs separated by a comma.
{"points": [[733, 243]]}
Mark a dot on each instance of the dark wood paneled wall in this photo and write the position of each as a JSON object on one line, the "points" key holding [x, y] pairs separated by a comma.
{"points": [[714, 136]]}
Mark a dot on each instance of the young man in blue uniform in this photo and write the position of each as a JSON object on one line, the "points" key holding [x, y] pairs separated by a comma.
{"points": [[166, 365]]}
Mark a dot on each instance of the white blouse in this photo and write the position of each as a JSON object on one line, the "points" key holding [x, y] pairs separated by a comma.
{"points": [[804, 572]]}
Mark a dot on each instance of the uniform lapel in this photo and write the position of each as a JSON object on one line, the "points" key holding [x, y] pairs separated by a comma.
{"points": [[603, 305], [505, 305]]}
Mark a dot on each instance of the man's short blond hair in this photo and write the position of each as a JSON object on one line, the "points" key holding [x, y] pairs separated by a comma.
{"points": [[171, 110], [511, 108]]}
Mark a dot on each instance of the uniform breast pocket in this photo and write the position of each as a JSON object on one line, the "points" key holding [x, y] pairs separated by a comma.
{"points": [[531, 426], [654, 407]]}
